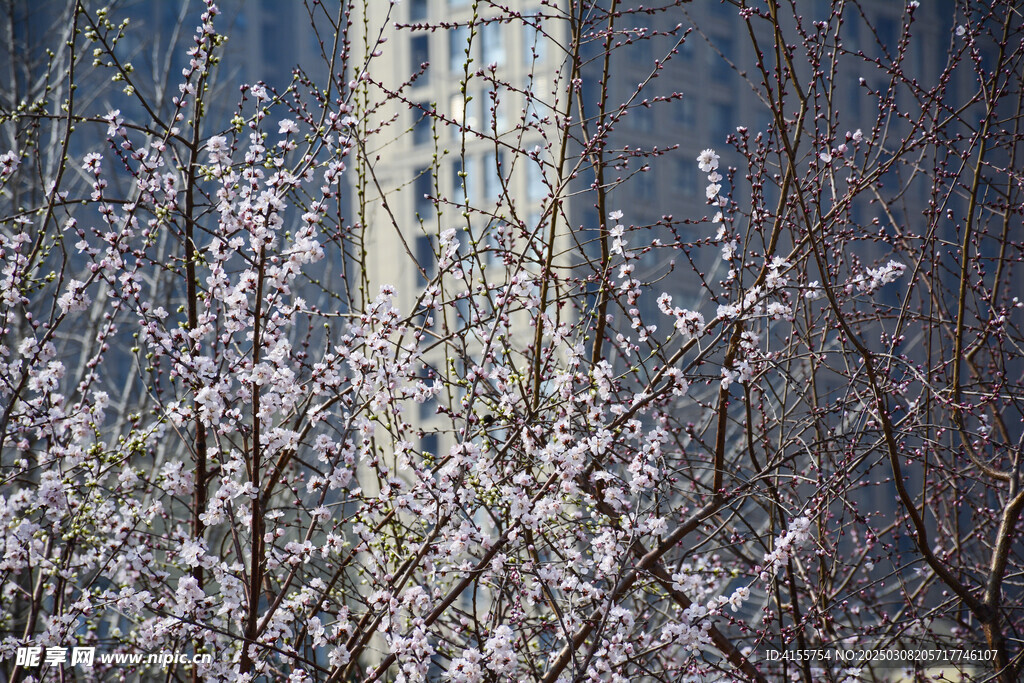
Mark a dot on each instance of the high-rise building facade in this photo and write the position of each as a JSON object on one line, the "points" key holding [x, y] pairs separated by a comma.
{"points": [[470, 101], [484, 120]]}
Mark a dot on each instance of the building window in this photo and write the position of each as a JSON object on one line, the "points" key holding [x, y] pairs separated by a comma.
{"points": [[421, 123], [645, 184], [458, 3], [492, 37], [417, 10], [642, 52], [492, 176], [429, 444], [425, 257], [683, 111], [721, 122], [857, 212], [686, 178], [419, 57], [851, 29], [822, 10], [463, 309], [687, 49], [887, 37], [988, 62], [463, 113], [458, 48], [853, 100], [720, 69], [458, 182], [494, 112], [641, 118], [536, 190], [533, 105], [427, 410], [422, 187], [723, 9], [533, 221], [492, 241], [535, 48], [464, 179]]}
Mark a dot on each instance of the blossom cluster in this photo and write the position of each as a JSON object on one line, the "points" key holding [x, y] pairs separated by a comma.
{"points": [[221, 425]]}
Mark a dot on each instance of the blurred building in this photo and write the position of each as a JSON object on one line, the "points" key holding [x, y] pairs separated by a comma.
{"points": [[682, 78], [463, 131]]}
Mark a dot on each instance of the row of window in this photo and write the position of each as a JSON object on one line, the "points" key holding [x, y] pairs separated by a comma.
{"points": [[474, 179], [481, 179], [485, 46], [426, 247], [642, 49], [685, 113], [482, 113], [419, 9], [486, 115], [488, 47]]}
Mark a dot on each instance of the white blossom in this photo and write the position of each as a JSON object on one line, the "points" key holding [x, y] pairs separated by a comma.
{"points": [[75, 297], [708, 160]]}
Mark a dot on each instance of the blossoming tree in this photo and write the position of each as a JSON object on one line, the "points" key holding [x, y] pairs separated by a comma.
{"points": [[789, 422]]}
